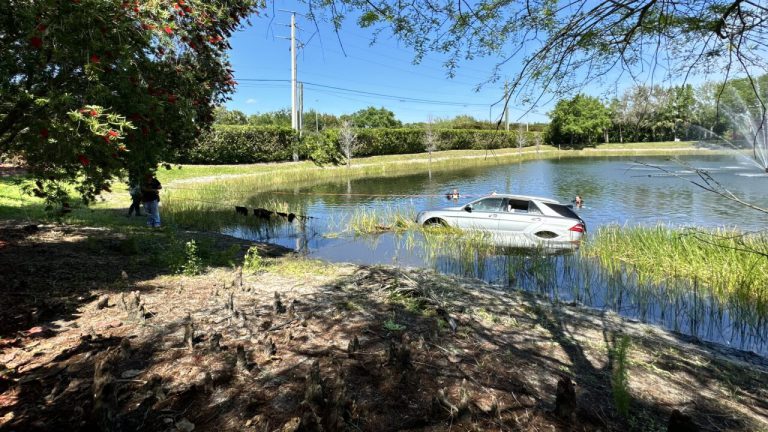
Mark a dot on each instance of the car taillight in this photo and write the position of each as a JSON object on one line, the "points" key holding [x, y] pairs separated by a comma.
{"points": [[578, 228]]}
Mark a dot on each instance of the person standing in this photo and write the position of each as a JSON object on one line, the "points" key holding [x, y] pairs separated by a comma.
{"points": [[150, 194]]}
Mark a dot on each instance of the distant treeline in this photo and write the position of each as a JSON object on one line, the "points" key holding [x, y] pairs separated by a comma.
{"points": [[228, 144], [655, 113], [368, 118]]}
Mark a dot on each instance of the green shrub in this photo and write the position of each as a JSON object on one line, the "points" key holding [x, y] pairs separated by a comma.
{"points": [[321, 147], [241, 144], [250, 144], [253, 261], [192, 265]]}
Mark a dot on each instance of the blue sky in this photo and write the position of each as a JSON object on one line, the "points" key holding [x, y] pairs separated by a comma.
{"points": [[335, 82], [346, 73]]}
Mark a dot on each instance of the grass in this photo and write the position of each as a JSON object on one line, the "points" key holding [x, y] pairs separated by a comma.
{"points": [[619, 377], [373, 221], [731, 264]]}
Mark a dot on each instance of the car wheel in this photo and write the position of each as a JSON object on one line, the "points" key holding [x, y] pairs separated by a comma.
{"points": [[435, 222]]}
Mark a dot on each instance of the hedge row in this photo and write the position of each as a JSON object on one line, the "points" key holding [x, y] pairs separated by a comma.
{"points": [[249, 144]]}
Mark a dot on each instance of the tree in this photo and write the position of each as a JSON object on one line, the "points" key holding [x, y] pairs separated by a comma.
{"points": [[347, 141], [430, 140], [314, 120], [374, 118], [580, 120], [223, 116], [92, 88], [558, 47], [281, 118]]}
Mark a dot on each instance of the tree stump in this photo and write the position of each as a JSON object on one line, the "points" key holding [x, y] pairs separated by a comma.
{"points": [[230, 304], [398, 355], [565, 398], [292, 309], [240, 360], [679, 422], [353, 347], [269, 347], [314, 392], [278, 305], [105, 392], [215, 342], [189, 332]]}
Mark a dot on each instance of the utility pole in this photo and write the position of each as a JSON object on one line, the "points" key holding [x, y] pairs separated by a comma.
{"points": [[301, 108], [294, 119], [295, 122]]}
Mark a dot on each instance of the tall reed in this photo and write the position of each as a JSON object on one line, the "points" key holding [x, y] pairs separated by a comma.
{"points": [[732, 264]]}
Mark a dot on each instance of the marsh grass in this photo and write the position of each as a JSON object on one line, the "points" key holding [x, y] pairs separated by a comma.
{"points": [[378, 220], [730, 264]]}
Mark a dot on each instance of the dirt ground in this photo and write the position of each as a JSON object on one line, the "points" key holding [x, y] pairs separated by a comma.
{"points": [[95, 336]]}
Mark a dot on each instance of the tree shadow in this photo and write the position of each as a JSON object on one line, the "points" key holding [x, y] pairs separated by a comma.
{"points": [[51, 271], [430, 352]]}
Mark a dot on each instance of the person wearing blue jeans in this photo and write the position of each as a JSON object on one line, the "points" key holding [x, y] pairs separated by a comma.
{"points": [[150, 195]]}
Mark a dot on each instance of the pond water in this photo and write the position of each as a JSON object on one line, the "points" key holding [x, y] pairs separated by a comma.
{"points": [[624, 191]]}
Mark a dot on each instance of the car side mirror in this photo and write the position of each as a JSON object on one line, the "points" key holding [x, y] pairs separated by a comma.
{"points": [[468, 208]]}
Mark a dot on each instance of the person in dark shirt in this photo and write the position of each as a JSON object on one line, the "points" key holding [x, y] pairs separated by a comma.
{"points": [[150, 195]]}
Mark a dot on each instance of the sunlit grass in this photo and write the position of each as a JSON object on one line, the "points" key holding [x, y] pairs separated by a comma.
{"points": [[300, 266], [372, 221], [729, 262]]}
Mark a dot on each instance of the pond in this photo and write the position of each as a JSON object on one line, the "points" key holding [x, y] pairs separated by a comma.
{"points": [[624, 191]]}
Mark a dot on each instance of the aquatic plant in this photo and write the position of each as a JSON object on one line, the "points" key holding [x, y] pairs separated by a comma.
{"points": [[728, 262]]}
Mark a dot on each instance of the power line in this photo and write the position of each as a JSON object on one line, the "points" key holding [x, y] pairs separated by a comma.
{"points": [[363, 92]]}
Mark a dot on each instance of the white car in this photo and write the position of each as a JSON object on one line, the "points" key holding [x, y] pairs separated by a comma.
{"points": [[513, 220]]}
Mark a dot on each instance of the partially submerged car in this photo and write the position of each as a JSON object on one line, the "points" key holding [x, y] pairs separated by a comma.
{"points": [[513, 220]]}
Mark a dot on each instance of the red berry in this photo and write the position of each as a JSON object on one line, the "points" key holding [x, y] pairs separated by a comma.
{"points": [[84, 161], [113, 133], [168, 30], [93, 113], [44, 133], [36, 42], [95, 59]]}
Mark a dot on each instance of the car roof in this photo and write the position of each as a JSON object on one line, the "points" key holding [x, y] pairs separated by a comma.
{"points": [[523, 197]]}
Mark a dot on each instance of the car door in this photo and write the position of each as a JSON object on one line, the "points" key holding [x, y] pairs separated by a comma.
{"points": [[519, 216], [483, 215]]}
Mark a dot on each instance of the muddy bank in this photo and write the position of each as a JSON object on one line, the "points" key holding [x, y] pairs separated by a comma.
{"points": [[96, 334]]}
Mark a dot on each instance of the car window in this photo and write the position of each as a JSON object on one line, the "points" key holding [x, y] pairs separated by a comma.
{"points": [[518, 206], [488, 204], [563, 210], [533, 208]]}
